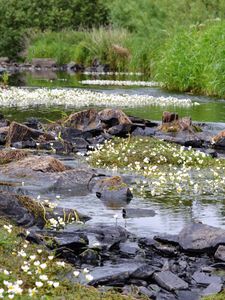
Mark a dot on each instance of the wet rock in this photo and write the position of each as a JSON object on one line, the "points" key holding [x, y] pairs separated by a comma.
{"points": [[91, 257], [56, 146], [73, 241], [19, 132], [170, 281], [220, 253], [211, 152], [129, 248], [72, 179], [33, 123], [3, 134], [121, 130], [198, 237], [80, 143], [113, 191], [24, 145], [137, 213], [144, 272], [203, 278], [212, 289], [83, 120], [22, 210], [115, 275], [147, 131], [113, 117]]}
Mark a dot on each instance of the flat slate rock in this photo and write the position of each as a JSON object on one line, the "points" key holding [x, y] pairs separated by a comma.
{"points": [[203, 278], [143, 272], [170, 281], [188, 295], [213, 288], [114, 275]]}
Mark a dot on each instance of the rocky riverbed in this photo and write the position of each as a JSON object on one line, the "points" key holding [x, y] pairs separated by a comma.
{"points": [[183, 266]]}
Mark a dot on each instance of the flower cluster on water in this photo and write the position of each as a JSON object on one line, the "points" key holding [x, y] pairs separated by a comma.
{"points": [[19, 97], [164, 168], [122, 83]]}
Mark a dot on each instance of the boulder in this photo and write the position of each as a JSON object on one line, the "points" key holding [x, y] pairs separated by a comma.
{"points": [[83, 120], [19, 132], [27, 165], [113, 117], [220, 253], [203, 278], [21, 209], [113, 192]]}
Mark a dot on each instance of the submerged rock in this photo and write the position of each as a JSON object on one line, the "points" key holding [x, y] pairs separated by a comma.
{"points": [[113, 191]]}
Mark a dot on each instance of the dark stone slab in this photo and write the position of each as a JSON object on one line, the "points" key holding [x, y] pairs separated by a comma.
{"points": [[187, 295], [170, 281], [203, 278], [144, 272], [129, 248]]}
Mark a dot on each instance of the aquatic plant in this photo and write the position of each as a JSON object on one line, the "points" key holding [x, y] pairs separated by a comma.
{"points": [[18, 97]]}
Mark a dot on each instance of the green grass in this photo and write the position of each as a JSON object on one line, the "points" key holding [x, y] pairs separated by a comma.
{"points": [[12, 259], [220, 296], [194, 60]]}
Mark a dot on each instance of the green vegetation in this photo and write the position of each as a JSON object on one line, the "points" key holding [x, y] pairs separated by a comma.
{"points": [[28, 270], [220, 296]]}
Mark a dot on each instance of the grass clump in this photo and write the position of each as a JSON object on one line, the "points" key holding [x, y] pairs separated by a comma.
{"points": [[193, 60], [220, 296], [29, 271]]}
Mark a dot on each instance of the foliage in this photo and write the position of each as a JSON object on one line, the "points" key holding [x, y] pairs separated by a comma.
{"points": [[30, 264], [193, 60], [18, 17]]}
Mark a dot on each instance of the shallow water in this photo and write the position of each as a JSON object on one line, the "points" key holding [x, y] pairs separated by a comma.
{"points": [[171, 214]]}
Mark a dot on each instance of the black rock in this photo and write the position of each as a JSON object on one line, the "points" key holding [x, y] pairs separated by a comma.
{"points": [[187, 295], [144, 272], [170, 281]]}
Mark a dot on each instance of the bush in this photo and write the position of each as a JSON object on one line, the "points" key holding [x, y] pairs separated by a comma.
{"points": [[17, 17]]}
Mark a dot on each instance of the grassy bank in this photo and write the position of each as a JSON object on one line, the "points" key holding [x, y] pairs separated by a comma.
{"points": [[29, 271]]}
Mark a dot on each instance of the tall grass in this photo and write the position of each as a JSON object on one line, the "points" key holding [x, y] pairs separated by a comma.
{"points": [[194, 60], [116, 47]]}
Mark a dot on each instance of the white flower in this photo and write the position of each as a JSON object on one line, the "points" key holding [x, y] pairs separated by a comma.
{"points": [[43, 266], [43, 277], [50, 257], [89, 277], [39, 284], [55, 284], [76, 273], [6, 272], [39, 251], [32, 257], [85, 271]]}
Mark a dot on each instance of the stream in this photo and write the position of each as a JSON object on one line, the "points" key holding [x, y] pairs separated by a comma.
{"points": [[171, 215]]}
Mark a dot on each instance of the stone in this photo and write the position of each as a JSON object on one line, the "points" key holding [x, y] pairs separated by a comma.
{"points": [[70, 240], [9, 155], [203, 278], [113, 192], [144, 272], [146, 292], [113, 117], [91, 257], [147, 131], [121, 130], [187, 295], [218, 141], [198, 237], [33, 123], [23, 210], [220, 253], [35, 163], [80, 143], [169, 117], [137, 213], [83, 120], [115, 275], [170, 281], [129, 248], [212, 289], [19, 132]]}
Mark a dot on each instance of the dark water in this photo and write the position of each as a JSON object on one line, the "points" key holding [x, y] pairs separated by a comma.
{"points": [[171, 215]]}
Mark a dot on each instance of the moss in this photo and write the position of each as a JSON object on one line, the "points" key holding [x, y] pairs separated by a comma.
{"points": [[10, 246], [220, 296], [36, 208]]}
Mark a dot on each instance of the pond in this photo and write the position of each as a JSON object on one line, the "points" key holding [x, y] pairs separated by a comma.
{"points": [[171, 213]]}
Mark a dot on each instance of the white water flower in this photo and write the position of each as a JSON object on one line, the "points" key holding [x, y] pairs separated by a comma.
{"points": [[122, 83]]}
